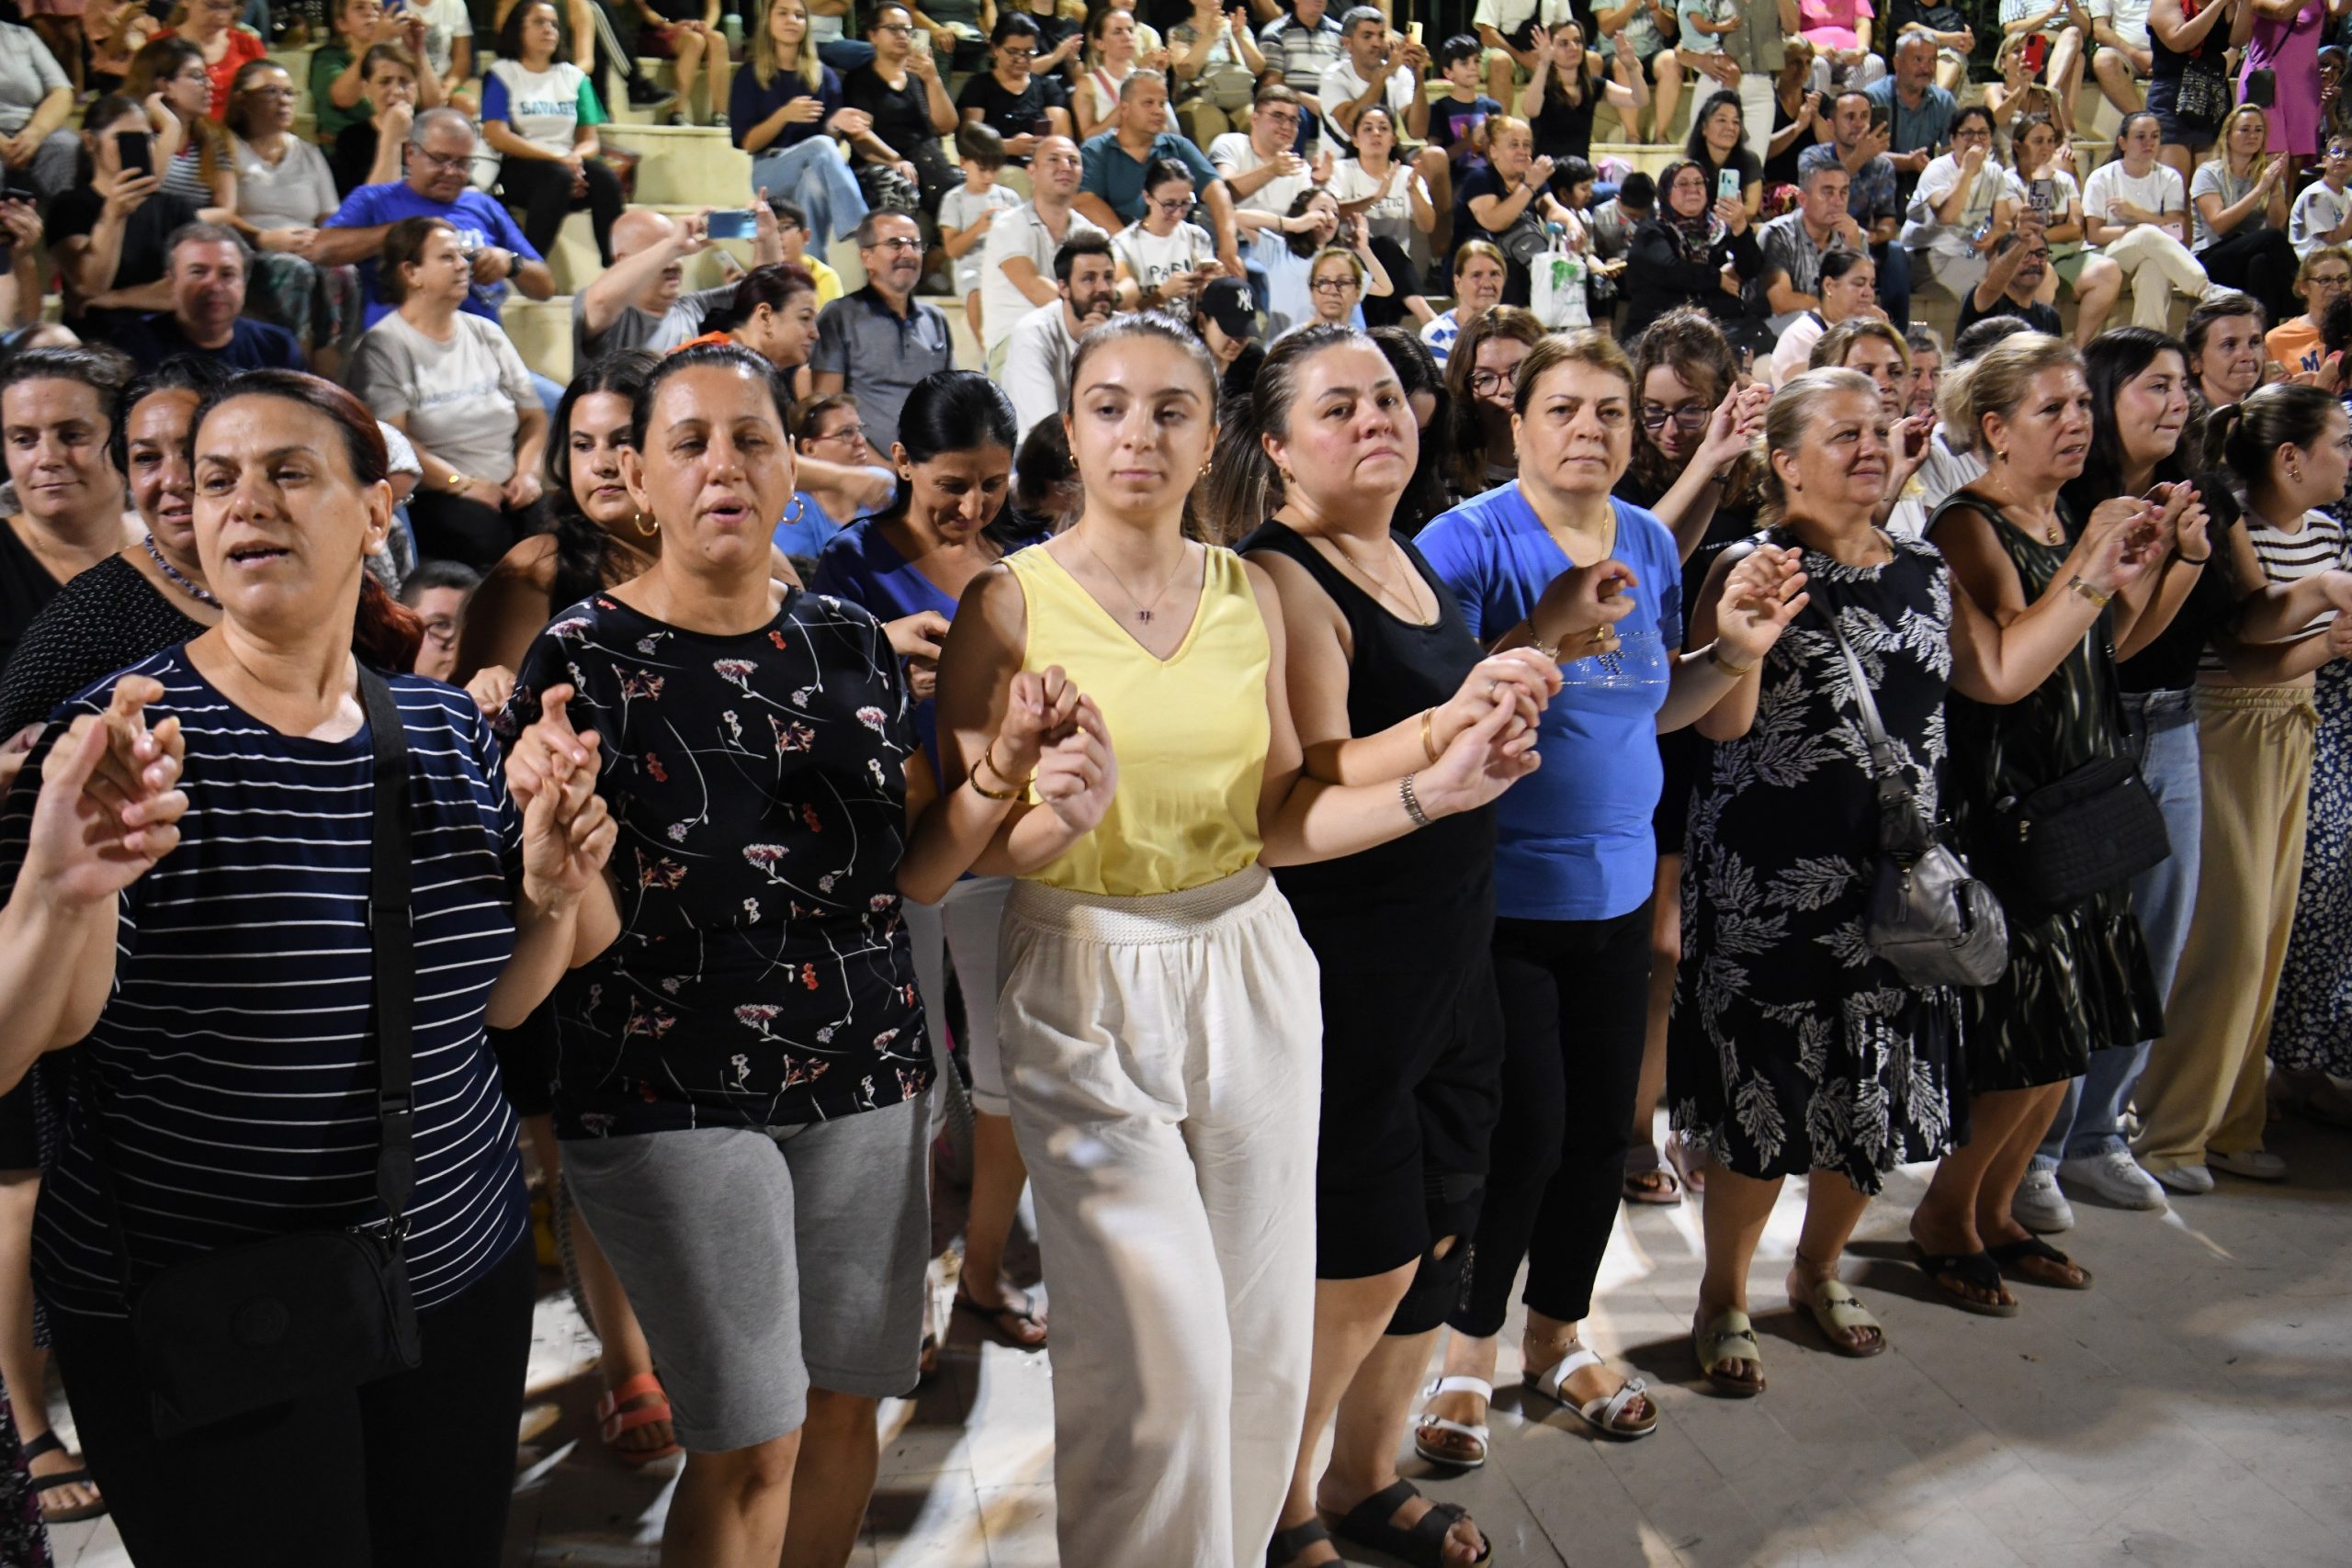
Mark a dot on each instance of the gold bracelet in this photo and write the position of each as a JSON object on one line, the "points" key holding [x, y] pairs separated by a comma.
{"points": [[1428, 741], [1716, 656], [2099, 597], [1013, 791], [1550, 651]]}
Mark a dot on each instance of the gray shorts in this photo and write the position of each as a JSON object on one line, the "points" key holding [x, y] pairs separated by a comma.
{"points": [[762, 1261]]}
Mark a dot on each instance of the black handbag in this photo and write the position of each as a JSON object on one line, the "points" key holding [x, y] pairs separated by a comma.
{"points": [[303, 1314], [1937, 924]]}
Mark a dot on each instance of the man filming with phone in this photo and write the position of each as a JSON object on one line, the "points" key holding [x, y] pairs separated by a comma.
{"points": [[1859, 143], [641, 301]]}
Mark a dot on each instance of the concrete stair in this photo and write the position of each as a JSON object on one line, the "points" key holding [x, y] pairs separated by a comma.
{"points": [[685, 165]]}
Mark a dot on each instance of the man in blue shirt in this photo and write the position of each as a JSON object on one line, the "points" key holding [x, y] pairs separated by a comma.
{"points": [[1919, 112], [205, 268], [1110, 192], [440, 163], [1870, 199]]}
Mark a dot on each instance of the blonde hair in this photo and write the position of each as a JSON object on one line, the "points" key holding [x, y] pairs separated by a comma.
{"points": [[2221, 153], [764, 60], [1830, 352], [1787, 418], [1996, 382]]}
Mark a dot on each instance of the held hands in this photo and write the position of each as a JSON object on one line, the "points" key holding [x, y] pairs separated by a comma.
{"points": [[1040, 709], [14, 752], [1732, 427], [1078, 774], [2119, 542], [491, 687], [917, 638], [1480, 763], [549, 743], [1521, 677], [2182, 523], [110, 801], [849, 122], [1761, 596], [1580, 607], [568, 835]]}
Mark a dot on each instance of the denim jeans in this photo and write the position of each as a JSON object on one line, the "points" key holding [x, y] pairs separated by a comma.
{"points": [[813, 176], [2089, 1119]]}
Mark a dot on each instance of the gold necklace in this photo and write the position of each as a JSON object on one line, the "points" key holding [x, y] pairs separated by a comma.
{"points": [[1143, 610], [1380, 583]]}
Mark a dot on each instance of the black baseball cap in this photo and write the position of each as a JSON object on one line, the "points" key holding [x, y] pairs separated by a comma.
{"points": [[1226, 303]]}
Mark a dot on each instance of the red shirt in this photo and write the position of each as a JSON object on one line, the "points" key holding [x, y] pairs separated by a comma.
{"points": [[243, 49]]}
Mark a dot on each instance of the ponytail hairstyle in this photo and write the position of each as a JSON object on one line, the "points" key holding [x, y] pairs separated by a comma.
{"points": [[1245, 488], [2244, 438], [1158, 328], [1416, 371], [948, 411], [773, 284], [1996, 382], [1789, 420], [385, 634]]}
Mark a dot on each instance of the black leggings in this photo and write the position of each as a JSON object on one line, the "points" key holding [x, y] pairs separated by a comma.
{"points": [[458, 528], [1576, 1004], [2261, 261], [410, 1469], [543, 190]]}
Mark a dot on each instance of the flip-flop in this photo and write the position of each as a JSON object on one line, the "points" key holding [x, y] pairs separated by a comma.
{"points": [[1001, 1318], [1422, 1543], [48, 1443], [1651, 1183], [2010, 1259], [1835, 1310], [613, 1421], [1602, 1414], [1478, 1433], [1729, 1337], [1977, 1268]]}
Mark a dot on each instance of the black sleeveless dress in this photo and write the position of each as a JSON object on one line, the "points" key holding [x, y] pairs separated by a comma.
{"points": [[1412, 1059]]}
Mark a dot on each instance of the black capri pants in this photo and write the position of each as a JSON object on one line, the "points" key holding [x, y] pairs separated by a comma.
{"points": [[1575, 1001], [410, 1469], [1412, 1080], [542, 189], [2261, 261]]}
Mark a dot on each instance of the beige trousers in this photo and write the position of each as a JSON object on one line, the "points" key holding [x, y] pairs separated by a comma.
{"points": [[1163, 1059], [2203, 1085], [2158, 266]]}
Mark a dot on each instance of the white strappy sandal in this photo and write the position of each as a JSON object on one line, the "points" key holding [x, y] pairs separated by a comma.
{"points": [[1478, 1434], [1601, 1414]]}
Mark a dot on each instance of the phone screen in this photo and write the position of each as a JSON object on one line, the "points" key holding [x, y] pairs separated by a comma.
{"points": [[1727, 185], [132, 147], [731, 223], [1880, 120]]}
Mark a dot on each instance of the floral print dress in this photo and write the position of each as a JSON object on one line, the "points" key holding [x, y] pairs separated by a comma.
{"points": [[1793, 1046], [763, 976]]}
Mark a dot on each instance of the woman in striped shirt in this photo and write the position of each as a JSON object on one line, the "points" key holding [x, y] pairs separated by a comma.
{"points": [[217, 973]]}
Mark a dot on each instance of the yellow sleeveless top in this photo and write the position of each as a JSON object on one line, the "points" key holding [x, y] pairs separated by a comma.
{"points": [[1189, 732]]}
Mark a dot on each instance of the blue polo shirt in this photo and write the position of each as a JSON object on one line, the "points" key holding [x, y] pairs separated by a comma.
{"points": [[1118, 179], [1909, 130], [478, 217], [1574, 839]]}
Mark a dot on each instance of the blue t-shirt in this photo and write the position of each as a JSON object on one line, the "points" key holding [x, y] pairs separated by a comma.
{"points": [[252, 345], [1574, 837], [749, 104], [478, 217], [806, 528]]}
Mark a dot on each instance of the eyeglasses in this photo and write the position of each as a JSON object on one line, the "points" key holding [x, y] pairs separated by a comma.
{"points": [[269, 92], [1278, 117], [1486, 383], [2333, 280], [846, 433], [1016, 54], [1180, 204], [1690, 419], [904, 29], [1341, 285], [442, 629], [448, 161], [896, 242]]}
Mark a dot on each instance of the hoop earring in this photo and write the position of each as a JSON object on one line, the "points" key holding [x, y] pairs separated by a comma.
{"points": [[794, 513], [646, 528]]}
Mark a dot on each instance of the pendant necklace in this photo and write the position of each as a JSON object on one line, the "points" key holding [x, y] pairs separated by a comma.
{"points": [[1143, 610]]}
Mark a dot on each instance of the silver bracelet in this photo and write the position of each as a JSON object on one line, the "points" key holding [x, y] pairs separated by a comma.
{"points": [[1412, 802]]}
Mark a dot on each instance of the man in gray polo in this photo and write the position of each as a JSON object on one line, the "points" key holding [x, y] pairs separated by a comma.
{"points": [[641, 300], [876, 344]]}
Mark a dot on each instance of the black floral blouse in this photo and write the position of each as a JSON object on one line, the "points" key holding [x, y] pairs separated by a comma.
{"points": [[761, 978]]}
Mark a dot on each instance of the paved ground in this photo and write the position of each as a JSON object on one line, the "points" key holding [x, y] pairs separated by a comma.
{"points": [[2194, 1409]]}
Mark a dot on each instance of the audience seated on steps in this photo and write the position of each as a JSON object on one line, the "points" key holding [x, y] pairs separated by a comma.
{"points": [[205, 269], [641, 300], [876, 343], [439, 155]]}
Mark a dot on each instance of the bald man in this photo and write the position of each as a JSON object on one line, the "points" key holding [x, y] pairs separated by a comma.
{"points": [[639, 301]]}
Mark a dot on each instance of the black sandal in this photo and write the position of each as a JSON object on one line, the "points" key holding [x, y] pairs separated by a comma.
{"points": [[1287, 1544], [1423, 1543], [2011, 1256], [1973, 1269], [1001, 1318], [47, 1443]]}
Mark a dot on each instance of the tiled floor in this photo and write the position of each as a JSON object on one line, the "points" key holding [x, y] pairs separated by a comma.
{"points": [[2194, 1409]]}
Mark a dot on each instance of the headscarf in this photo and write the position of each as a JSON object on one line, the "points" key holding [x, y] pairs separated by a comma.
{"points": [[1695, 239]]}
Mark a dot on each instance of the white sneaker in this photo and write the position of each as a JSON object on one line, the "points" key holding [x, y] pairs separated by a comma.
{"points": [[2113, 1178], [2193, 1179], [2038, 1205], [2255, 1165]]}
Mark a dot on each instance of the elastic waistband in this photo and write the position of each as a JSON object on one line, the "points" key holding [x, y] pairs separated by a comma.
{"points": [[1157, 917], [2154, 702], [2258, 699]]}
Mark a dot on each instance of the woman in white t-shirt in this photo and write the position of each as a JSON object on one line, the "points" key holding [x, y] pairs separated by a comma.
{"points": [[1114, 51], [451, 382], [1392, 200], [448, 46], [1965, 204], [284, 191], [1162, 258], [539, 114], [2135, 209]]}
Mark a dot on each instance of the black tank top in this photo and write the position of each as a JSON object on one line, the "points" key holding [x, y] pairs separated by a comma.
{"points": [[25, 588], [1397, 669]]}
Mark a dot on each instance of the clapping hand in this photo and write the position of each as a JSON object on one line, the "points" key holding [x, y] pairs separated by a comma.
{"points": [[1762, 594], [2118, 543], [110, 802], [1907, 445]]}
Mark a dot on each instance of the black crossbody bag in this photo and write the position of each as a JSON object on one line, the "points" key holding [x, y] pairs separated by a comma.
{"points": [[303, 1314]]}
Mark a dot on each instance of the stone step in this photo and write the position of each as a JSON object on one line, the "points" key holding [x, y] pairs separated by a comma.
{"points": [[691, 165], [542, 332]]}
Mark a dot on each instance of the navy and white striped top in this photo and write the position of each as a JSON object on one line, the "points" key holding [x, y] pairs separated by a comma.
{"points": [[234, 1059]]}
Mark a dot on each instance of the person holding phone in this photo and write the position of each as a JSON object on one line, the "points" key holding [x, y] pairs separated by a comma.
{"points": [[1681, 254], [1164, 260], [1858, 141], [107, 232], [1014, 97], [1965, 204]]}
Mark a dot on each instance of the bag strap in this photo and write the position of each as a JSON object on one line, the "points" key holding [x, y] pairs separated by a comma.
{"points": [[392, 937]]}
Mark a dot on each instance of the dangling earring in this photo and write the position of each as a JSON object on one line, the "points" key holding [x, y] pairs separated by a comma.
{"points": [[646, 526], [1206, 466], [799, 505]]}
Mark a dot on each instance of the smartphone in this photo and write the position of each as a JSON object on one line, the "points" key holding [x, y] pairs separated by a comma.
{"points": [[2043, 195], [1413, 31], [1881, 119], [1727, 185], [133, 148], [731, 223]]}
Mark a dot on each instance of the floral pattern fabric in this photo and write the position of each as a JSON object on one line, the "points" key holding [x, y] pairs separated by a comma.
{"points": [[1793, 1046], [2311, 1029], [763, 976]]}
